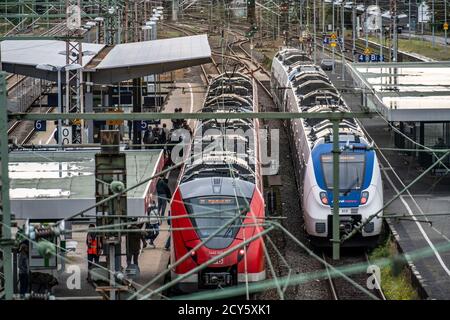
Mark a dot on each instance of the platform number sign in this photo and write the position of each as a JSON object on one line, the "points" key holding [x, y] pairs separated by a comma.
{"points": [[40, 125], [370, 58], [147, 123], [144, 125], [66, 134]]}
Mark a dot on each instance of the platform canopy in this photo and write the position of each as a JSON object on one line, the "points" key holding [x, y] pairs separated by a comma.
{"points": [[407, 91], [107, 65], [58, 184]]}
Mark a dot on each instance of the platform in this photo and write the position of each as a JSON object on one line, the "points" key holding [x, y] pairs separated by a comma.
{"points": [[430, 194], [152, 261], [56, 185], [408, 91]]}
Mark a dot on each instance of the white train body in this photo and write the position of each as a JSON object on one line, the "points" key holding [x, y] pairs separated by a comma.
{"points": [[300, 86]]}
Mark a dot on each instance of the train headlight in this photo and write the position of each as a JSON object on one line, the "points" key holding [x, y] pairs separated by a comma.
{"points": [[241, 252], [193, 256], [364, 197], [323, 198]]}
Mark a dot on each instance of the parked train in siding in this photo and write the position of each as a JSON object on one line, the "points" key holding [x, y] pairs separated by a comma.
{"points": [[300, 86], [215, 188]]}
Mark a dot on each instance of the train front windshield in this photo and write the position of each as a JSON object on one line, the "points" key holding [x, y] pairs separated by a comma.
{"points": [[210, 213], [351, 171]]}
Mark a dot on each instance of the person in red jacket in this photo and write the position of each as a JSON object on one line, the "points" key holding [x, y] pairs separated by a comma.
{"points": [[94, 246]]}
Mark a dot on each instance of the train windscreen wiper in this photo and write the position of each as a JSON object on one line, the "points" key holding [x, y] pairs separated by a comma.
{"points": [[354, 183]]}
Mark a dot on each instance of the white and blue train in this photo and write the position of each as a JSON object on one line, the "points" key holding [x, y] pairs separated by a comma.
{"points": [[300, 86]]}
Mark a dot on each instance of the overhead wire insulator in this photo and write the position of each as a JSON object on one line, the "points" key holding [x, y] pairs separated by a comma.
{"points": [[46, 249], [45, 232]]}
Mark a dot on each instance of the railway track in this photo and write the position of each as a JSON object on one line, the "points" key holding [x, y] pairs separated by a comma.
{"points": [[342, 289], [339, 289], [250, 62], [21, 132], [244, 58]]}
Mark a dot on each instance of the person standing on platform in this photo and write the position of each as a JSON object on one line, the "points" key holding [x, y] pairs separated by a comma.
{"points": [[175, 121], [165, 131], [134, 239], [186, 126], [152, 225], [24, 268], [94, 245], [164, 195], [162, 136], [148, 137]]}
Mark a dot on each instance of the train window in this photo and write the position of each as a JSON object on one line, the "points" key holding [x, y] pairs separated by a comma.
{"points": [[351, 171], [308, 69], [210, 213]]}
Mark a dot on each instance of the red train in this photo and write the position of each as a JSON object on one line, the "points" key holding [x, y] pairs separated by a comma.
{"points": [[219, 195]]}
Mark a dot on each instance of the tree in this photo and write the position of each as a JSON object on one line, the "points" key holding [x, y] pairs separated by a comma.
{"points": [[439, 11]]}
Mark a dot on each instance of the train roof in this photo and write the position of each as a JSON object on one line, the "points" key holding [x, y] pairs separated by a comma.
{"points": [[227, 93], [314, 92], [289, 56]]}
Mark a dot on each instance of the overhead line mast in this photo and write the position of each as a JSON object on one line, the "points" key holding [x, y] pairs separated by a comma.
{"points": [[74, 56], [393, 45]]}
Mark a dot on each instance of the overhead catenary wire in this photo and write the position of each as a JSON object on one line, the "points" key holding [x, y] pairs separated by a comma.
{"points": [[286, 283], [309, 276]]}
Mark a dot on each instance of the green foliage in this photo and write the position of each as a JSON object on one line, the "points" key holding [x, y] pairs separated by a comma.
{"points": [[394, 287], [439, 11], [424, 48]]}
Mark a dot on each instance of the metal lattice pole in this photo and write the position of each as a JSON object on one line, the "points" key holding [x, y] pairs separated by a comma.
{"points": [[74, 55], [315, 32], [445, 23], [354, 30], [343, 40]]}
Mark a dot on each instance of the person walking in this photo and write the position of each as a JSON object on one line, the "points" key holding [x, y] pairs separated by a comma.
{"points": [[24, 268], [148, 138], [175, 121], [153, 225], [162, 135], [186, 126], [156, 130], [94, 245], [165, 131], [134, 239], [180, 121], [164, 194]]}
